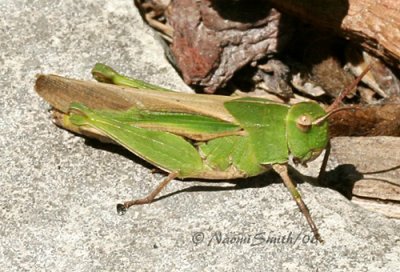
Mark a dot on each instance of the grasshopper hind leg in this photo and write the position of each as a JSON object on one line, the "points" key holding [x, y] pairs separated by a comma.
{"points": [[122, 208], [283, 172]]}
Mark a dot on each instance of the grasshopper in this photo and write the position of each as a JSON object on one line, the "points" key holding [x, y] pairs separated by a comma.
{"points": [[192, 135]]}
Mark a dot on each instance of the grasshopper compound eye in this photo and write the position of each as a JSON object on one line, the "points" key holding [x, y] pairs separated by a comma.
{"points": [[304, 123]]}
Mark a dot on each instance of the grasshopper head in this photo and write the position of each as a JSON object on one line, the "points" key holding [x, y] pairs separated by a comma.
{"points": [[307, 125], [307, 131]]}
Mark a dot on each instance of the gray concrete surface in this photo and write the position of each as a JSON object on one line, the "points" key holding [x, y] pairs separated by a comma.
{"points": [[58, 194]]}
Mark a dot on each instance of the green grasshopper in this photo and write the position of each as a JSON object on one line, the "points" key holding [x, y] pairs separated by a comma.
{"points": [[192, 135]]}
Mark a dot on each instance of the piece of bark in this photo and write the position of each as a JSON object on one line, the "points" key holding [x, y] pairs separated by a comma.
{"points": [[375, 25], [368, 172], [213, 39], [371, 120]]}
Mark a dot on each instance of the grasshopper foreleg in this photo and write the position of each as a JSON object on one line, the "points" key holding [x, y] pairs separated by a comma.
{"points": [[322, 171], [121, 208], [283, 172]]}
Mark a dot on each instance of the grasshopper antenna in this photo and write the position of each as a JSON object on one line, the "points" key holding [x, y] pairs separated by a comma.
{"points": [[323, 118], [334, 107], [348, 89]]}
